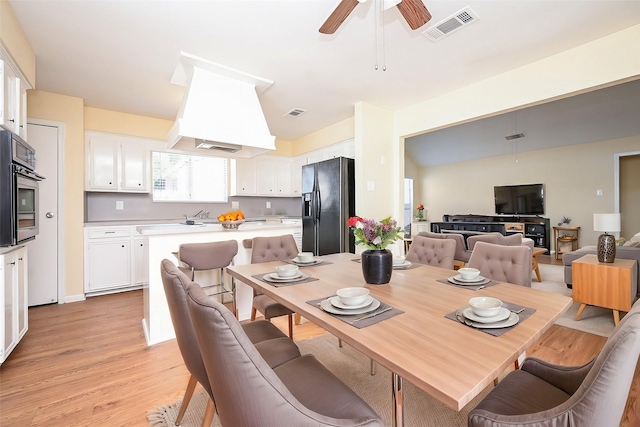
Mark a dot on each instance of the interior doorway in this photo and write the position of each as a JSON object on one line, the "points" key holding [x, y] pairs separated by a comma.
{"points": [[627, 192], [408, 205]]}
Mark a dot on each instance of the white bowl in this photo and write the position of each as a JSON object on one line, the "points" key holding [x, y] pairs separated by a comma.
{"points": [[469, 273], [352, 296], [485, 306], [288, 270], [305, 256]]}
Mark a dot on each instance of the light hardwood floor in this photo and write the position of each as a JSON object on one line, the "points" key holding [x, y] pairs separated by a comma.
{"points": [[87, 364]]}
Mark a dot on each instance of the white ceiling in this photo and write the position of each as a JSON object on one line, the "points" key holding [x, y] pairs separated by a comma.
{"points": [[120, 55]]}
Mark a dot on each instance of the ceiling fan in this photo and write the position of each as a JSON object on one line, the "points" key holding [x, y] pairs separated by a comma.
{"points": [[413, 11]]}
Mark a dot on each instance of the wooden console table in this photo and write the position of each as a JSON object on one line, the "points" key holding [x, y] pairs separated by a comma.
{"points": [[610, 285], [563, 240]]}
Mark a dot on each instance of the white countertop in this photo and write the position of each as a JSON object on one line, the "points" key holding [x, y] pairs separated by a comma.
{"points": [[177, 228]]}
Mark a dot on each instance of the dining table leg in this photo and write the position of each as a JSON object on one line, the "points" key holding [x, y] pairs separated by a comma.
{"points": [[398, 401]]}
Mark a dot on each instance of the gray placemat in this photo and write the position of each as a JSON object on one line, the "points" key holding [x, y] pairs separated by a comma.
{"points": [[279, 285], [413, 264], [385, 310], [472, 288], [523, 315], [290, 261]]}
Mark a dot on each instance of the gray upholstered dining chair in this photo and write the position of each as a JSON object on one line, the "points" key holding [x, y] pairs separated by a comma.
{"points": [[273, 345], [300, 392], [510, 264], [210, 256], [436, 252], [462, 254], [542, 394], [267, 249], [515, 239]]}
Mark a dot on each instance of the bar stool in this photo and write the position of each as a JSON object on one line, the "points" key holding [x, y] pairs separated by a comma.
{"points": [[211, 256]]}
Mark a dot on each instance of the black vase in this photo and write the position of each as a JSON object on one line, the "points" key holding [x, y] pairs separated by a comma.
{"points": [[377, 266]]}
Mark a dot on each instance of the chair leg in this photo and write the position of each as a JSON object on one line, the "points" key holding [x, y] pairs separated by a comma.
{"points": [[340, 342], [297, 318], [495, 382], [209, 413], [186, 399], [516, 365], [253, 313], [290, 317]]}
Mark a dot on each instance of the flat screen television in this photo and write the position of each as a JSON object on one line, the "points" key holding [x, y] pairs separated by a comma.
{"points": [[519, 199]]}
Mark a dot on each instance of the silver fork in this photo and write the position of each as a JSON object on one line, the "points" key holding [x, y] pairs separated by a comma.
{"points": [[375, 313]]}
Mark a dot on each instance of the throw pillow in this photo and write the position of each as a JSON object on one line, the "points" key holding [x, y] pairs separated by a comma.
{"points": [[631, 244], [635, 238]]}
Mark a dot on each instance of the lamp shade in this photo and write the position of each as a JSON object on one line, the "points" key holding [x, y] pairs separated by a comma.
{"points": [[608, 223]]}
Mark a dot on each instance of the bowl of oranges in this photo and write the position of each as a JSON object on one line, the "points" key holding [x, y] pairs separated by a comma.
{"points": [[231, 220]]}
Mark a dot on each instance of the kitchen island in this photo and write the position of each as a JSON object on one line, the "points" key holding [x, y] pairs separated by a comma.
{"points": [[165, 239]]}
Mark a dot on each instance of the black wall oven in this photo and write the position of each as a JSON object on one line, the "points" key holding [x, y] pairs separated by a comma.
{"points": [[18, 190]]}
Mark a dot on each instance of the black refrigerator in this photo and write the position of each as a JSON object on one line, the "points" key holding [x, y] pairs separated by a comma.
{"points": [[328, 201]]}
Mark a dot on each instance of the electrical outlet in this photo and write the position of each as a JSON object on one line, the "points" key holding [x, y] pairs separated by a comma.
{"points": [[119, 205], [268, 205], [235, 205]]}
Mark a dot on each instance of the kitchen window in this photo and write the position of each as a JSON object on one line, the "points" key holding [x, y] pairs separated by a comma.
{"points": [[188, 178]]}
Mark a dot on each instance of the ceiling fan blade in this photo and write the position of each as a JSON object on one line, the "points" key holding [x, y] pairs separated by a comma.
{"points": [[414, 12], [338, 16]]}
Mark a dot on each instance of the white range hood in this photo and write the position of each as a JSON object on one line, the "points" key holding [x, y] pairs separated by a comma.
{"points": [[220, 114]]}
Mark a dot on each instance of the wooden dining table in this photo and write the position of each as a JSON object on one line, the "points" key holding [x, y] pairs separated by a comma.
{"points": [[449, 360]]}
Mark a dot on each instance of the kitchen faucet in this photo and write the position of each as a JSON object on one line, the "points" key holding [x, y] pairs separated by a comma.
{"points": [[201, 214]]}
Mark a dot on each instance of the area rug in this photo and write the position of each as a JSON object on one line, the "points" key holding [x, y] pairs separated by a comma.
{"points": [[594, 320], [421, 410]]}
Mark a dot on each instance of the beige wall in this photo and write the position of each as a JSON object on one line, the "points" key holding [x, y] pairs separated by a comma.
{"points": [[571, 176], [333, 134], [70, 111], [630, 194], [16, 42], [125, 124]]}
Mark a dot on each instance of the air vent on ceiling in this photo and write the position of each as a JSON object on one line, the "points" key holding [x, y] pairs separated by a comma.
{"points": [[295, 112], [451, 24], [514, 136]]}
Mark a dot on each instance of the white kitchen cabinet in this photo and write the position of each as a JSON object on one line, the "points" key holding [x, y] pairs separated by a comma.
{"points": [[13, 96], [242, 181], [266, 172], [116, 163], [13, 298], [274, 176], [296, 175]]}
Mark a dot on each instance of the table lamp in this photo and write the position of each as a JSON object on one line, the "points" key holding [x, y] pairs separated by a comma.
{"points": [[606, 242]]}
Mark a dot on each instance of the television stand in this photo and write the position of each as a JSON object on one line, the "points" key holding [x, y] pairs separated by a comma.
{"points": [[532, 226]]}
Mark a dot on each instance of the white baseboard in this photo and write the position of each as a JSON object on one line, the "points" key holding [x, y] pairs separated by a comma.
{"points": [[74, 298]]}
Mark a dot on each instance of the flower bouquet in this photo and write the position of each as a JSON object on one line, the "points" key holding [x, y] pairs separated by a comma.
{"points": [[377, 262], [420, 213]]}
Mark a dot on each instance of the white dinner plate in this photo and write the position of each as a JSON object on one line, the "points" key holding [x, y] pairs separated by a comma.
{"points": [[512, 320], [273, 277], [502, 315], [335, 301], [459, 278], [403, 264], [453, 280], [329, 308], [312, 262]]}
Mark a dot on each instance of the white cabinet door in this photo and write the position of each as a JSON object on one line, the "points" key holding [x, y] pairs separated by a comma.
{"points": [[135, 167], [21, 289], [23, 111], [243, 177], [102, 164], [109, 264], [13, 299], [283, 177], [140, 261], [296, 175], [11, 101], [8, 294], [265, 172]]}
